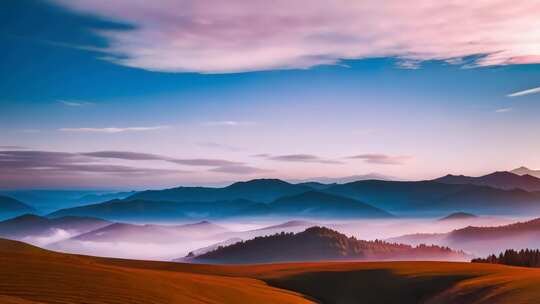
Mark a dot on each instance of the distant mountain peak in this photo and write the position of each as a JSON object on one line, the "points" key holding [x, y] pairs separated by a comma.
{"points": [[260, 182], [526, 171], [499, 179], [458, 216]]}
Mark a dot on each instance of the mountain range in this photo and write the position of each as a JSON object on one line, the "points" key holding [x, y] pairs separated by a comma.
{"points": [[502, 180], [525, 171], [149, 233], [496, 193], [320, 243], [308, 203], [481, 240], [28, 227], [10, 207]]}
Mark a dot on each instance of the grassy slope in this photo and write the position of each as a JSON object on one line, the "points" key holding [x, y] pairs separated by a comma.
{"points": [[32, 275]]}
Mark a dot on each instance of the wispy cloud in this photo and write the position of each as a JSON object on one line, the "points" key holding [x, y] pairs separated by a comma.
{"points": [[301, 158], [37, 163], [209, 37], [75, 103], [503, 110], [228, 123], [382, 159], [525, 92], [239, 169], [127, 155], [112, 130]]}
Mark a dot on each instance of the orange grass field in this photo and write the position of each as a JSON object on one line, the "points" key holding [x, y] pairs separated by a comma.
{"points": [[32, 275]]}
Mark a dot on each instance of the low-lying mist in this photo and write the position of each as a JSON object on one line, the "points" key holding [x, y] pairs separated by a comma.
{"points": [[167, 242]]}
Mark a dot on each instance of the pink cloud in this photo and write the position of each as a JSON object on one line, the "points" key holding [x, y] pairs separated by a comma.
{"points": [[235, 36]]}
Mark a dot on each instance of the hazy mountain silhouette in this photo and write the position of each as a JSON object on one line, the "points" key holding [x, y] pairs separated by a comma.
{"points": [[526, 171], [98, 198], [458, 216], [167, 210], [50, 200], [482, 240], [319, 204], [10, 207], [29, 225], [431, 196], [131, 233], [343, 180], [259, 190], [320, 243], [308, 204], [501, 180]]}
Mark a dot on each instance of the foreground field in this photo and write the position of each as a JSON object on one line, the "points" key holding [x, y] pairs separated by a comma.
{"points": [[32, 275]]}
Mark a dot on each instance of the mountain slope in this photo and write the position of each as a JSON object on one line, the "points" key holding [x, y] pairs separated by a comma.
{"points": [[458, 216], [525, 171], [319, 243], [166, 210], [309, 204], [482, 240], [319, 204], [11, 207], [259, 190], [430, 196], [501, 180], [28, 225], [150, 234], [32, 275]]}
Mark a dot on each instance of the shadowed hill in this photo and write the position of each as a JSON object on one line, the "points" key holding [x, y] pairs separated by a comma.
{"points": [[502, 180], [305, 204], [431, 196], [33, 225], [319, 204], [458, 216], [32, 275], [482, 240], [10, 207], [320, 243], [147, 234]]}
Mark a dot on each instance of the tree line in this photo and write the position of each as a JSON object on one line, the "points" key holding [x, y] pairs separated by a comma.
{"points": [[524, 258]]}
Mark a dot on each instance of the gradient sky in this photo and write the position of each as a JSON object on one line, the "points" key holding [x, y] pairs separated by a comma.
{"points": [[146, 94]]}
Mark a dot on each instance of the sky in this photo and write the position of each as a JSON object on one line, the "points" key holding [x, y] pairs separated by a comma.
{"points": [[125, 94]]}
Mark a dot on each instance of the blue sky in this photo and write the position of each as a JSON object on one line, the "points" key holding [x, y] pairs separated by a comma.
{"points": [[70, 87]]}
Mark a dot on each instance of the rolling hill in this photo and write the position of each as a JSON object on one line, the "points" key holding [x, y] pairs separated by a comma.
{"points": [[482, 240], [502, 180], [320, 243], [32, 275], [131, 233], [30, 227], [319, 204], [10, 207]]}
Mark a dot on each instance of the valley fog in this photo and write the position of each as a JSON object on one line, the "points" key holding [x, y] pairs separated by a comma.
{"points": [[170, 241]]}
